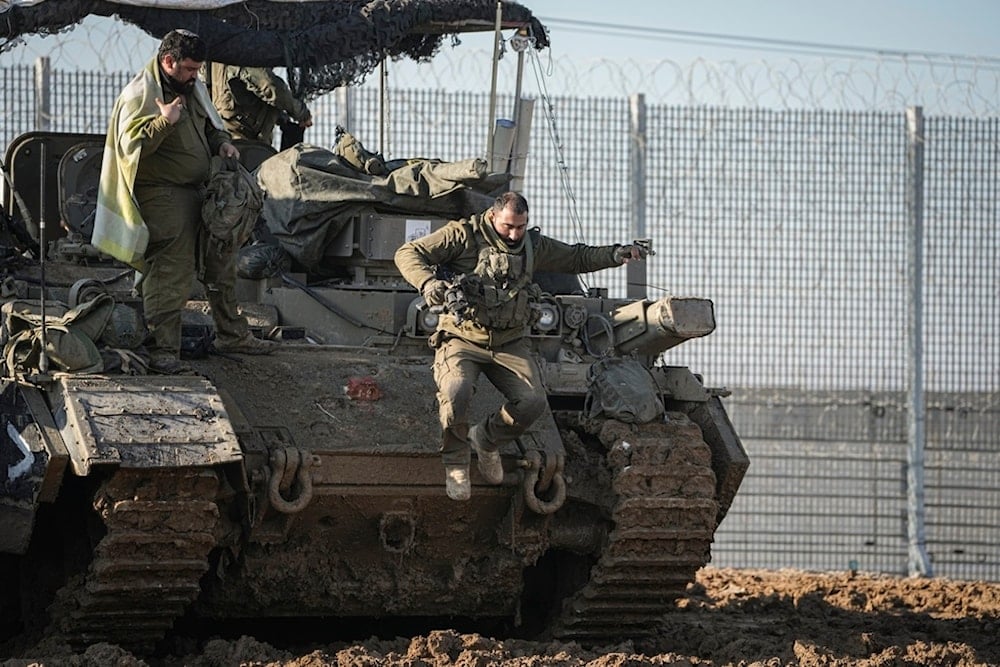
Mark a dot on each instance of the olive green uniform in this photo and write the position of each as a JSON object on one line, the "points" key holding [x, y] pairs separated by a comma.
{"points": [[169, 188], [251, 99], [467, 348]]}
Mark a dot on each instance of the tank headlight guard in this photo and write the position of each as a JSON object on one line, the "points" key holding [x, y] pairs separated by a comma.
{"points": [[428, 320], [548, 317], [420, 321]]}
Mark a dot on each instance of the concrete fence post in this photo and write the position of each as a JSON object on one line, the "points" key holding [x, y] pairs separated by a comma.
{"points": [[918, 560], [635, 272], [43, 94]]}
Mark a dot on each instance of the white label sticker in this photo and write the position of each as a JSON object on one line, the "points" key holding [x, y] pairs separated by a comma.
{"points": [[417, 228]]}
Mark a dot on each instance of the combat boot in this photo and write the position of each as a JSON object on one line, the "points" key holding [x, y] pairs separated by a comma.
{"points": [[248, 344], [168, 364], [488, 462], [456, 482]]}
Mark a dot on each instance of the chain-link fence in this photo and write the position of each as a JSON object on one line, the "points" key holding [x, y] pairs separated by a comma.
{"points": [[846, 256]]}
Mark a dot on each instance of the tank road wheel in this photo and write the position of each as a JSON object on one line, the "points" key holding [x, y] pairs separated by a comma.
{"points": [[664, 518]]}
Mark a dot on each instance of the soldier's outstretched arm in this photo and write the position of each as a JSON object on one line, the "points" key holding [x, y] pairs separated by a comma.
{"points": [[633, 251]]}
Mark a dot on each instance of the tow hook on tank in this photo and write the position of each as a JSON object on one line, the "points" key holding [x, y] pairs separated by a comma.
{"points": [[289, 474], [542, 475]]}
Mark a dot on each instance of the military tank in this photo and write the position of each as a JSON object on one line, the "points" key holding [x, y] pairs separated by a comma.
{"points": [[307, 483]]}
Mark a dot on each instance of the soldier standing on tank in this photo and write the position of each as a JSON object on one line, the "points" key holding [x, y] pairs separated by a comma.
{"points": [[252, 100], [496, 256], [157, 157]]}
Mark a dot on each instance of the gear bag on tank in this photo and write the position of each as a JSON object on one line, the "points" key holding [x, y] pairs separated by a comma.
{"points": [[622, 389], [232, 204]]}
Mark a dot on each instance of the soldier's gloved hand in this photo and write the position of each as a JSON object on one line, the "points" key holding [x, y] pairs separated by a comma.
{"points": [[434, 292], [626, 253], [455, 300]]}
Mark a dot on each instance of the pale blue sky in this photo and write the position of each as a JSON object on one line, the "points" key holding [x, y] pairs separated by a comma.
{"points": [[870, 53], [961, 27]]}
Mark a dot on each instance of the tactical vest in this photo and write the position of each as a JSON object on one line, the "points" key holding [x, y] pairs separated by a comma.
{"points": [[501, 291], [246, 115]]}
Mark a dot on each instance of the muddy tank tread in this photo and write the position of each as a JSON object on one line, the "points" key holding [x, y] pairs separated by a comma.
{"points": [[148, 566], [647, 577], [664, 522]]}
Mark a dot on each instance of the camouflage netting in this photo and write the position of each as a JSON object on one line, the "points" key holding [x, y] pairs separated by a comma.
{"points": [[323, 44]]}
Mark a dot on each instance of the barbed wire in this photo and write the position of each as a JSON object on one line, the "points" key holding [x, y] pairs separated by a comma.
{"points": [[941, 84], [791, 83]]}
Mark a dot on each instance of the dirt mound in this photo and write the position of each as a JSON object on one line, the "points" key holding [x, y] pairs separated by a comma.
{"points": [[729, 617]]}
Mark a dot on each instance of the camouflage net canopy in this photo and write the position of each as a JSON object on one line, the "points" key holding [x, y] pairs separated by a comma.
{"points": [[323, 44]]}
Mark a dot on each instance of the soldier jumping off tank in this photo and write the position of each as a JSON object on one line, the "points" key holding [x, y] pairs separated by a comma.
{"points": [[497, 256]]}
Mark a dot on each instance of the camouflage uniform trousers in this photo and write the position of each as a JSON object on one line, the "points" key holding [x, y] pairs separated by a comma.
{"points": [[512, 370], [178, 248]]}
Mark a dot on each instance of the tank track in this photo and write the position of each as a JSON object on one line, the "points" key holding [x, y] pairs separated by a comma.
{"points": [[147, 568], [664, 521]]}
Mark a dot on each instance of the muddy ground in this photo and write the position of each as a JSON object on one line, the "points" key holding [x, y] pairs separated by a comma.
{"points": [[730, 617]]}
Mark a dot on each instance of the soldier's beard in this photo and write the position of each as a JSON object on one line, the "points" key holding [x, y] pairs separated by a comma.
{"points": [[181, 88]]}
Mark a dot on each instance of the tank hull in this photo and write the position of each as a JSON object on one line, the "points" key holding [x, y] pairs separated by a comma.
{"points": [[328, 501]]}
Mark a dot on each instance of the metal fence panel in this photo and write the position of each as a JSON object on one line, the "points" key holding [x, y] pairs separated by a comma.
{"points": [[792, 223], [962, 254], [17, 104]]}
